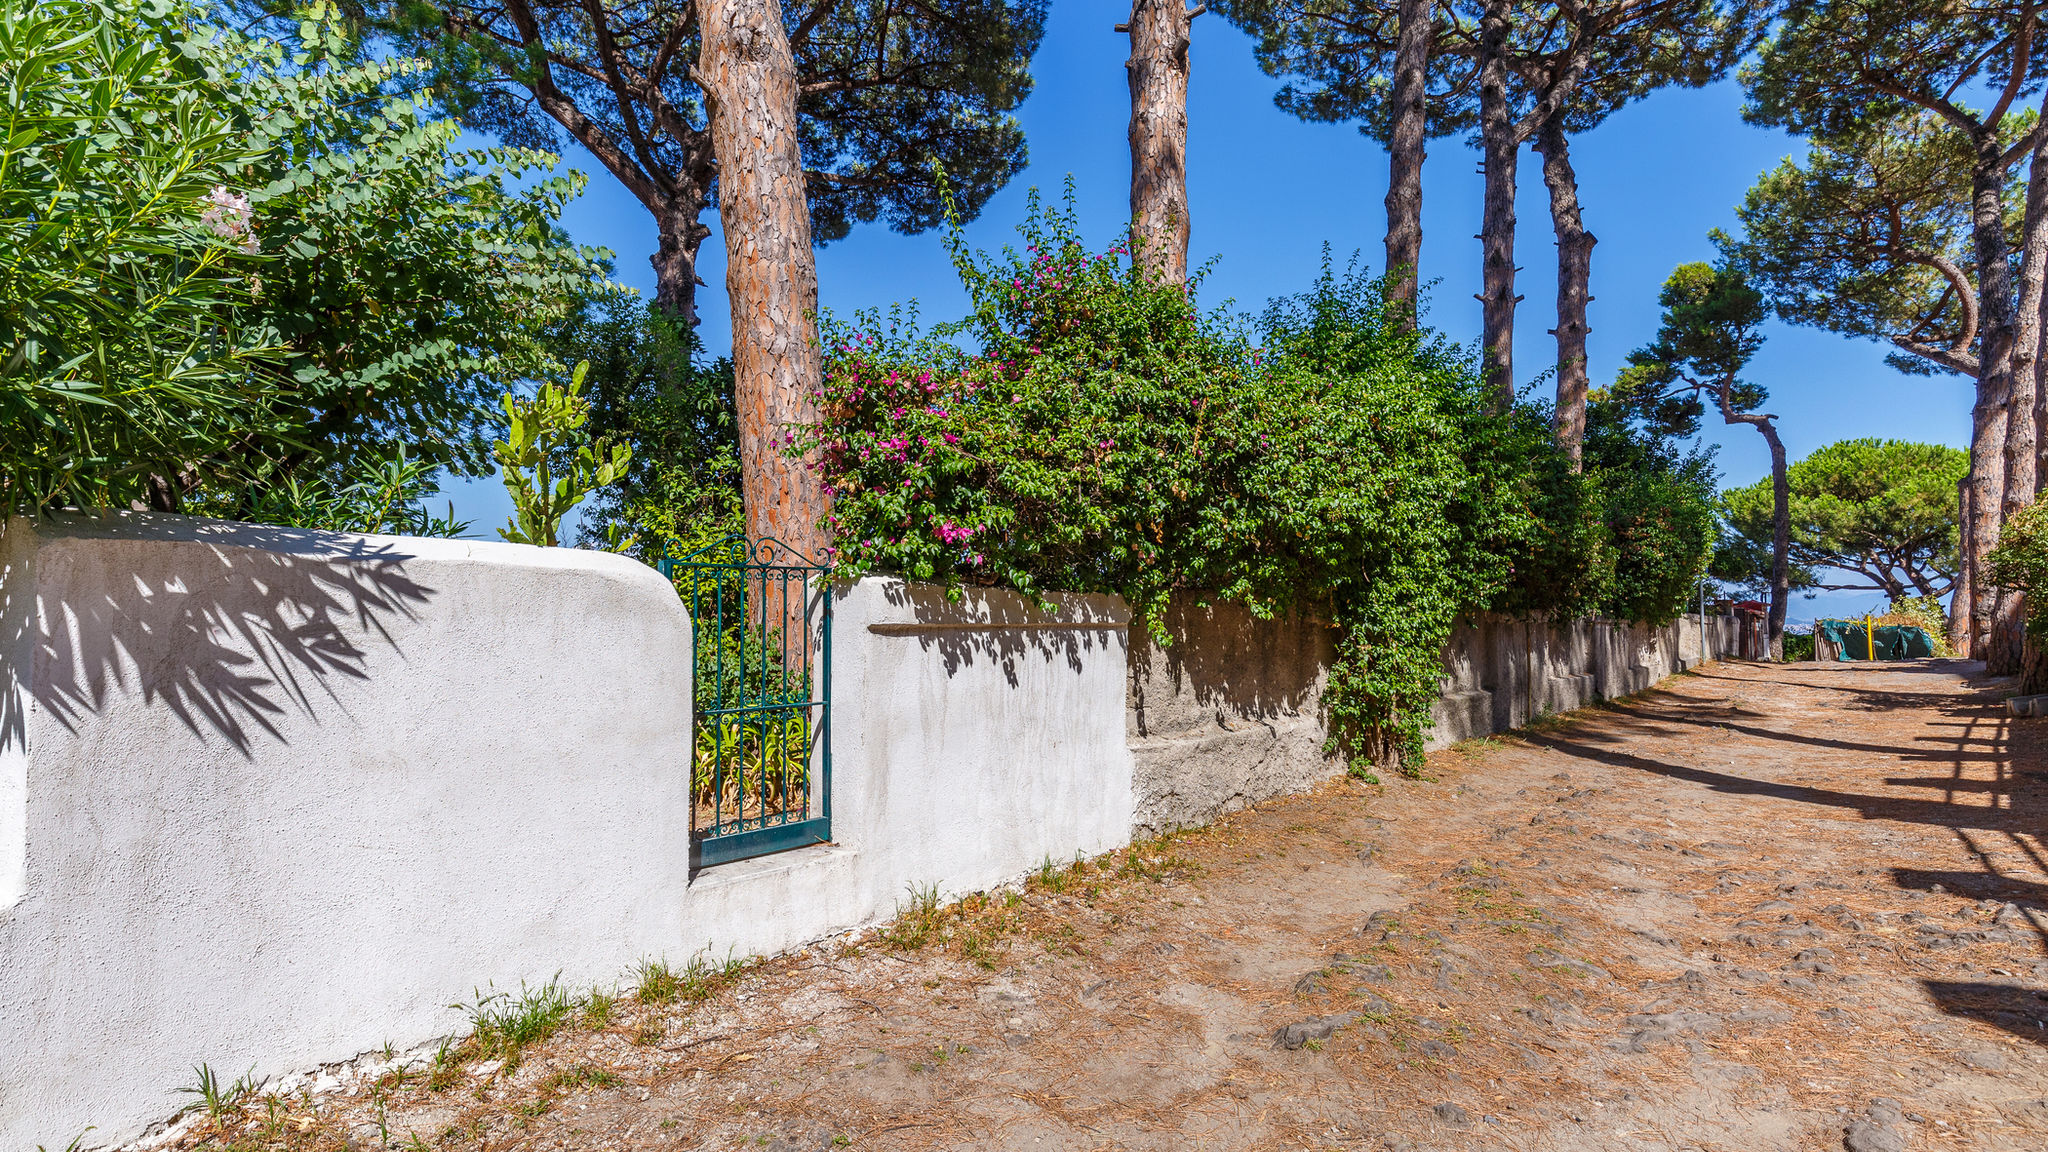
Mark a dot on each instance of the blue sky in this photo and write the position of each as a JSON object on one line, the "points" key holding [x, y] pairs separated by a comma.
{"points": [[1267, 191]]}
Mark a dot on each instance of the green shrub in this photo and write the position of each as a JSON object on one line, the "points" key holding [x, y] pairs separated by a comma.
{"points": [[1097, 432], [1086, 428], [2021, 561], [548, 462], [128, 256], [243, 277], [681, 489]]}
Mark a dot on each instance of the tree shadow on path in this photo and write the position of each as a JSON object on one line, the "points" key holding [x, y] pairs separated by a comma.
{"points": [[2010, 802]]}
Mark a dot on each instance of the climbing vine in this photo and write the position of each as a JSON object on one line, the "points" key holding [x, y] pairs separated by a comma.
{"points": [[1085, 428]]}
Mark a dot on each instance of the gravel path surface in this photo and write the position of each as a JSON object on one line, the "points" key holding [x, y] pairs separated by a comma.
{"points": [[1761, 907]]}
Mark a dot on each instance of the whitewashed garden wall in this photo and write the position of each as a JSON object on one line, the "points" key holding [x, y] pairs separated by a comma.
{"points": [[272, 797]]}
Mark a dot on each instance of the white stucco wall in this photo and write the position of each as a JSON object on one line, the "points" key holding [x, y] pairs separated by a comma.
{"points": [[995, 727], [280, 796], [290, 794], [971, 740]]}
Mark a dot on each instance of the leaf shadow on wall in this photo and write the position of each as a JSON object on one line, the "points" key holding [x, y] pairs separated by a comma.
{"points": [[228, 626], [1002, 628], [1226, 668]]}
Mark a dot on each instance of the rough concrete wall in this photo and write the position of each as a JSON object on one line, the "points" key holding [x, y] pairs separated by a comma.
{"points": [[1226, 715], [1501, 672]]}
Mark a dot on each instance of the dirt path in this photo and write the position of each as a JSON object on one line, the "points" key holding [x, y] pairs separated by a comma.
{"points": [[1726, 915]]}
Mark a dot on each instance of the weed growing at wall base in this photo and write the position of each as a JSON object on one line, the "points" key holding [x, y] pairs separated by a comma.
{"points": [[216, 1097], [699, 978], [505, 1025]]}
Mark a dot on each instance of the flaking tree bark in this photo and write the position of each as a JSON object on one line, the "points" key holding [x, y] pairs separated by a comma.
{"points": [[1158, 75], [1406, 146], [749, 77], [1501, 135], [2009, 615], [1961, 605], [1574, 288], [1501, 148], [1632, 48], [1991, 416]]}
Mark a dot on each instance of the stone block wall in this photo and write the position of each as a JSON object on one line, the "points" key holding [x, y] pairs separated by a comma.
{"points": [[1227, 715]]}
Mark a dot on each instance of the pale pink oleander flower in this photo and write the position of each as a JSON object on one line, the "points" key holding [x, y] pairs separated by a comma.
{"points": [[229, 217]]}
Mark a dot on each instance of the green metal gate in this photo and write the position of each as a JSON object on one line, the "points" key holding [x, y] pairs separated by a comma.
{"points": [[761, 756]]}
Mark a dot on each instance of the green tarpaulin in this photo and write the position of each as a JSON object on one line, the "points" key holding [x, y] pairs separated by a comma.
{"points": [[1893, 641]]}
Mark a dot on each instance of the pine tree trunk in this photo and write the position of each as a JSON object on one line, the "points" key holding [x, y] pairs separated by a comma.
{"points": [[2034, 667], [1497, 229], [2009, 615], [1781, 512], [1158, 75], [1964, 596], [1781, 540], [1405, 149], [1994, 390], [1574, 288], [2041, 388], [771, 272], [681, 233]]}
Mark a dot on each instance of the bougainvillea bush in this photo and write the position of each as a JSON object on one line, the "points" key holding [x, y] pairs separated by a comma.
{"points": [[1086, 428], [1067, 435]]}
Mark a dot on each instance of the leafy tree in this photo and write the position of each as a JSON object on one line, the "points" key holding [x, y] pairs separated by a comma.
{"points": [[1884, 510], [334, 294], [386, 496], [681, 489], [2020, 561], [126, 269], [1869, 237], [547, 461], [1833, 63], [1656, 502], [1711, 328], [883, 91], [413, 281]]}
